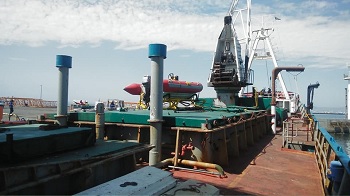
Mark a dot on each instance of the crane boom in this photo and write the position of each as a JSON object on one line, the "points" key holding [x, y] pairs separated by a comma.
{"points": [[229, 71]]}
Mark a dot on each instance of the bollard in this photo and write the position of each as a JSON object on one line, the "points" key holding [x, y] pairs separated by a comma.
{"points": [[100, 120]]}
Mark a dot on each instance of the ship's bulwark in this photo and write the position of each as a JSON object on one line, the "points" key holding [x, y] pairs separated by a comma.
{"points": [[248, 157], [47, 160]]}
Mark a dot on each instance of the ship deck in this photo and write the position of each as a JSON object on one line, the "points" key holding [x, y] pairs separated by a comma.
{"points": [[262, 168], [266, 169]]}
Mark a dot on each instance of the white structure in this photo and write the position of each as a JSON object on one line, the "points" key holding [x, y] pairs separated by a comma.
{"points": [[150, 181], [347, 77]]}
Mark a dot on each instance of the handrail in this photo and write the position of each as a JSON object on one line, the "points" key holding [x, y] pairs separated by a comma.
{"points": [[338, 150], [325, 145]]}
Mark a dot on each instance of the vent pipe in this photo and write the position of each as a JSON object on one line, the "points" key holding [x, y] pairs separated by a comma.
{"points": [[157, 53], [274, 75], [63, 63]]}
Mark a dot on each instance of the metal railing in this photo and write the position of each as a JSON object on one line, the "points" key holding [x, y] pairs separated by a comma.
{"points": [[291, 127], [30, 102], [289, 132], [329, 155], [326, 151]]}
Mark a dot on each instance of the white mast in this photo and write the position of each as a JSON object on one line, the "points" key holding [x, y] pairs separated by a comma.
{"points": [[245, 32], [264, 35], [347, 77]]}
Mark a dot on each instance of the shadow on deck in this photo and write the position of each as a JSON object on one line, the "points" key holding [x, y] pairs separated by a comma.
{"points": [[266, 169]]}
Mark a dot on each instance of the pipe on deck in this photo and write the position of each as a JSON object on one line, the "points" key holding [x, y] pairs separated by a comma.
{"points": [[193, 164], [310, 96], [157, 53], [275, 72], [63, 63], [203, 165]]}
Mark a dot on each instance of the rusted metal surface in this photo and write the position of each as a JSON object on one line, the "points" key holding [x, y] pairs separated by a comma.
{"points": [[266, 169], [223, 143], [253, 161]]}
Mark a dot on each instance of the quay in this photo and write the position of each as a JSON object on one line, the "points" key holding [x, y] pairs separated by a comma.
{"points": [[336, 125]]}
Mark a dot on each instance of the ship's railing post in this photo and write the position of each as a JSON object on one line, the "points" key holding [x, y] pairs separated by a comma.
{"points": [[100, 120], [283, 139]]}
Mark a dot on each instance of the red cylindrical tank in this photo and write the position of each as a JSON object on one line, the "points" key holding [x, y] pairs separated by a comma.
{"points": [[134, 89], [169, 86], [176, 86]]}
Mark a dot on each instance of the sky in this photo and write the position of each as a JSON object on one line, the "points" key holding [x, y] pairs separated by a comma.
{"points": [[108, 41]]}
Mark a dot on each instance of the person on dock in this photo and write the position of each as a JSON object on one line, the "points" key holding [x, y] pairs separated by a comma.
{"points": [[11, 106], [112, 105]]}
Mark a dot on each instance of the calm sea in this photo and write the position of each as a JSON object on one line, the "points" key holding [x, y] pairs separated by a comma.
{"points": [[342, 139]]}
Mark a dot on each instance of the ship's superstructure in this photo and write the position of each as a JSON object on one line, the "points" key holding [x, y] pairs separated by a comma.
{"points": [[229, 72], [237, 48]]}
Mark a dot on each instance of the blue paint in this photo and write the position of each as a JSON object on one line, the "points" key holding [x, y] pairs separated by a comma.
{"points": [[63, 61], [157, 50], [337, 171], [343, 157]]}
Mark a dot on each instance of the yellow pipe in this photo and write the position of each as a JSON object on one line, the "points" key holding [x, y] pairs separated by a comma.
{"points": [[164, 163], [192, 163], [203, 164]]}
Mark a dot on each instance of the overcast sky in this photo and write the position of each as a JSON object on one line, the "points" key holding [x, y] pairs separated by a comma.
{"points": [[108, 41]]}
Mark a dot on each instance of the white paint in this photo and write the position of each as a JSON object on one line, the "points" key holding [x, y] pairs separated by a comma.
{"points": [[149, 181]]}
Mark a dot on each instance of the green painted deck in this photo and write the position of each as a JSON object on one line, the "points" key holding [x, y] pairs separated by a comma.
{"points": [[30, 131], [64, 161], [101, 148], [23, 142], [171, 118]]}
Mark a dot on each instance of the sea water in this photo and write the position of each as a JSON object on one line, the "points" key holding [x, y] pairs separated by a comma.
{"points": [[343, 139]]}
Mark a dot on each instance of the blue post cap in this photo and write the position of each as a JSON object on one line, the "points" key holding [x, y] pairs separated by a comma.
{"points": [[157, 50], [63, 61]]}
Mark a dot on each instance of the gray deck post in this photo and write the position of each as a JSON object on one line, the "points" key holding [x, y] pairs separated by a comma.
{"points": [[157, 52]]}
